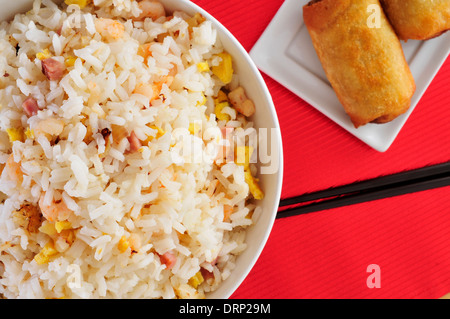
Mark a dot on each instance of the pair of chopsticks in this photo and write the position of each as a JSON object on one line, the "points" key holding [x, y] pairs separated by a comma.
{"points": [[402, 183]]}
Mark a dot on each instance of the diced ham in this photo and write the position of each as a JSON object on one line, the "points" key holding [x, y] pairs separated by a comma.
{"points": [[135, 143], [206, 274], [52, 69], [168, 259], [30, 106]]}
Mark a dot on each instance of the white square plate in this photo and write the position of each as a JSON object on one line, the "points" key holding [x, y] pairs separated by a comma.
{"points": [[285, 53]]}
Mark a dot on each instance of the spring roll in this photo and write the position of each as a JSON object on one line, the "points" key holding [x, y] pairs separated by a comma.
{"points": [[418, 19], [364, 63]]}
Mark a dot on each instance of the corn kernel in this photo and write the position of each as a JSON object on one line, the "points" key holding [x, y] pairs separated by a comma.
{"points": [[224, 71], [44, 54], [218, 111], [15, 134], [203, 67], [196, 280], [123, 244], [80, 3], [60, 226]]}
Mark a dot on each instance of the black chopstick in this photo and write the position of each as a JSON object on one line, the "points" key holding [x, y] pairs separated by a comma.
{"points": [[416, 180]]}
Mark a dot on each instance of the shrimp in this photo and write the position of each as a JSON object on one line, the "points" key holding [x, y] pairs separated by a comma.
{"points": [[241, 103], [135, 143], [14, 170], [151, 9], [109, 28], [153, 90], [56, 211]]}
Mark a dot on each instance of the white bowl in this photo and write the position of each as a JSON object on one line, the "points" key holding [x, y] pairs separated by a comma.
{"points": [[265, 117]]}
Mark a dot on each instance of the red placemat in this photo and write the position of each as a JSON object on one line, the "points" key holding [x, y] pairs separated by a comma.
{"points": [[326, 254]]}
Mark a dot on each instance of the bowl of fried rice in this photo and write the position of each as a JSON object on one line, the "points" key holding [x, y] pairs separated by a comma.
{"points": [[140, 152]]}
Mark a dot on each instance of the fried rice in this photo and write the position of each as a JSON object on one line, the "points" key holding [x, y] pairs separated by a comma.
{"points": [[126, 153]]}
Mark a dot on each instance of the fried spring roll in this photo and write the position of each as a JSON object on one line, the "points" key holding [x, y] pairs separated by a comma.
{"points": [[365, 65], [418, 19]]}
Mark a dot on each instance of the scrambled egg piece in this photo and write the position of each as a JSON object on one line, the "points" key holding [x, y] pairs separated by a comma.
{"points": [[70, 61], [195, 21], [221, 97], [186, 291], [60, 226], [224, 71], [29, 133], [203, 101], [48, 228], [203, 66], [218, 111], [243, 155], [44, 54], [80, 3], [254, 188], [123, 244], [196, 280], [15, 134], [44, 255], [63, 229], [160, 132]]}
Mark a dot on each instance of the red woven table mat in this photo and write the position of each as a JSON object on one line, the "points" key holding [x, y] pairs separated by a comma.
{"points": [[325, 254]]}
